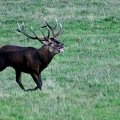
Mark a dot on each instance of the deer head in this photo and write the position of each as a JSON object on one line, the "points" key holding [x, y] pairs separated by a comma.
{"points": [[53, 45]]}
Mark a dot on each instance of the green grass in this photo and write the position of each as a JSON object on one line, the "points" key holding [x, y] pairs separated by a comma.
{"points": [[83, 83]]}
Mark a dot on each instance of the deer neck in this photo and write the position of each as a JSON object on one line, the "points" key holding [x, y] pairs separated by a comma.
{"points": [[45, 55]]}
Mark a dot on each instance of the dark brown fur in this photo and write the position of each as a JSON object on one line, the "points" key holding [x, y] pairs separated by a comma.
{"points": [[28, 59]]}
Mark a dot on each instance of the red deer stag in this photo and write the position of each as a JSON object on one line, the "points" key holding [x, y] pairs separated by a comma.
{"points": [[31, 60]]}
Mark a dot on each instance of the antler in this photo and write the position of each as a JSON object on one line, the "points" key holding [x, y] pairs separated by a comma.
{"points": [[22, 30], [53, 28]]}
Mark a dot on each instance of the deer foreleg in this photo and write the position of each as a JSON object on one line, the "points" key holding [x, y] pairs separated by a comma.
{"points": [[40, 81], [37, 80], [32, 89]]}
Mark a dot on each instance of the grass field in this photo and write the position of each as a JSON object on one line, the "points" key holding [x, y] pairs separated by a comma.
{"points": [[83, 83]]}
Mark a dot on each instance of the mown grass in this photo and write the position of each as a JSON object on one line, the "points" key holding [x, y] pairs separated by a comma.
{"points": [[83, 83]]}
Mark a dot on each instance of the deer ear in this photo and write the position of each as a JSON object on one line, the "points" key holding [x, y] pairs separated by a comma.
{"points": [[46, 41]]}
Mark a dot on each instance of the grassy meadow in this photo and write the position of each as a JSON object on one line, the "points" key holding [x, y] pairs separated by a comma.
{"points": [[83, 83]]}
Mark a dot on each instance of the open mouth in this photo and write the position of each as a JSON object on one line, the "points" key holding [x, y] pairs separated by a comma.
{"points": [[61, 49]]}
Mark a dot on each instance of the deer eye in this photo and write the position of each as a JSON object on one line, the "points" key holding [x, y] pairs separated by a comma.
{"points": [[50, 43]]}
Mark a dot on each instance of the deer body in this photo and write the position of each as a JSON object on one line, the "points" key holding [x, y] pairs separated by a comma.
{"points": [[32, 58], [11, 48], [29, 59]]}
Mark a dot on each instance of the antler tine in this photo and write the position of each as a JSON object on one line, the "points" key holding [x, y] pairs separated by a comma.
{"points": [[47, 24], [33, 32], [60, 31], [53, 28], [44, 25], [23, 25], [42, 33], [56, 24], [56, 21], [22, 30], [18, 29], [49, 27], [48, 34]]}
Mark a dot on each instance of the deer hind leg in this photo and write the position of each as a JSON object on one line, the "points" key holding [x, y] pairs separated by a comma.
{"points": [[2, 64], [18, 80]]}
